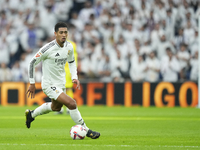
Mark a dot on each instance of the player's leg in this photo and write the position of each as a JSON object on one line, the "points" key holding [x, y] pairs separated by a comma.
{"points": [[43, 109], [75, 114], [68, 84], [69, 92], [56, 106], [46, 107]]}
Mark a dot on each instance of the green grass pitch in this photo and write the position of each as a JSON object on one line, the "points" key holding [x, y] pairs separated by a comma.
{"points": [[121, 128]]}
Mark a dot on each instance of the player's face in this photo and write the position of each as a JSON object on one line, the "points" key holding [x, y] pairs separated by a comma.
{"points": [[61, 35]]}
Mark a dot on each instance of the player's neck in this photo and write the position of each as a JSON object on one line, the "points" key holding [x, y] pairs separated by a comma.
{"points": [[59, 43]]}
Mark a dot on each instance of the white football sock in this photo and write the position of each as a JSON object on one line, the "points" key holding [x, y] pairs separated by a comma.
{"points": [[43, 109], [67, 110], [76, 117], [62, 110]]}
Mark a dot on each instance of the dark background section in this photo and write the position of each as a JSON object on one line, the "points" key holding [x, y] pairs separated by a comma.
{"points": [[137, 89]]}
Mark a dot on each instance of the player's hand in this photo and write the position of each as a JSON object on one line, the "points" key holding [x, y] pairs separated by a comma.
{"points": [[31, 91], [77, 82]]}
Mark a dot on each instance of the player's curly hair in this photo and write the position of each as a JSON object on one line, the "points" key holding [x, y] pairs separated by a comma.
{"points": [[59, 25]]}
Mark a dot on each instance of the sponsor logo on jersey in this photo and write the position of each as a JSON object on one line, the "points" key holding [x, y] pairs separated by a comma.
{"points": [[61, 61]]}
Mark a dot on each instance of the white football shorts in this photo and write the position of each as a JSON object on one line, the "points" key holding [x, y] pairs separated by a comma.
{"points": [[53, 92]]}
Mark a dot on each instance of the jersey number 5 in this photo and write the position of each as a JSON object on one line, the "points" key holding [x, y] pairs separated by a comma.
{"points": [[53, 88]]}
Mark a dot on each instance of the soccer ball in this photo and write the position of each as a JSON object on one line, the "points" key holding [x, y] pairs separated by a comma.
{"points": [[78, 132]]}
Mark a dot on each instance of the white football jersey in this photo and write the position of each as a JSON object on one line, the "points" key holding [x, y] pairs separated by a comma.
{"points": [[53, 59]]}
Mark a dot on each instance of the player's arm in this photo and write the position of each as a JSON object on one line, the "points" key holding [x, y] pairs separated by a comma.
{"points": [[31, 72], [73, 68]]}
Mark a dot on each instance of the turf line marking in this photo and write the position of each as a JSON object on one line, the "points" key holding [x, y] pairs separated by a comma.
{"points": [[104, 118], [89, 145]]}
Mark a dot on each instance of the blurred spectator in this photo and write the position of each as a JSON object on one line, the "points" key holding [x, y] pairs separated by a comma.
{"points": [[169, 67], [36, 5], [30, 39], [114, 9], [4, 51], [38, 73], [143, 34], [151, 21], [162, 45], [183, 57], [23, 66], [194, 67], [120, 67], [98, 8], [86, 12], [189, 32], [13, 45], [18, 22], [3, 21], [167, 30], [103, 18], [89, 62], [5, 73], [138, 68], [156, 33], [170, 23], [179, 39], [143, 12], [78, 5], [146, 48], [109, 34], [35, 18], [93, 21], [76, 22], [153, 67], [89, 71], [16, 72], [104, 69], [123, 47], [62, 9], [190, 19], [184, 8], [130, 33], [135, 49], [49, 18], [173, 8], [197, 13], [194, 43], [160, 11], [121, 30], [89, 34]]}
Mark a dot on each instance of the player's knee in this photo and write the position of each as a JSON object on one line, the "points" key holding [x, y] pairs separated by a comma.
{"points": [[56, 108], [72, 105]]}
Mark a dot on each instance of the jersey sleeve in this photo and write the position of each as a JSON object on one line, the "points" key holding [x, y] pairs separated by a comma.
{"points": [[39, 56], [72, 63]]}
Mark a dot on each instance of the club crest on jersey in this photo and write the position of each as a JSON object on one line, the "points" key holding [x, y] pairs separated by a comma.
{"points": [[68, 52]]}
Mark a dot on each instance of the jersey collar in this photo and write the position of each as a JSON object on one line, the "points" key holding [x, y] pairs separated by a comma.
{"points": [[59, 45]]}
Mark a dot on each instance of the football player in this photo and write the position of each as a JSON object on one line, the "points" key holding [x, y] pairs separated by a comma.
{"points": [[54, 56]]}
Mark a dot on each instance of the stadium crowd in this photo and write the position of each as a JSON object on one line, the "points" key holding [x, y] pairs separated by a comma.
{"points": [[117, 40]]}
